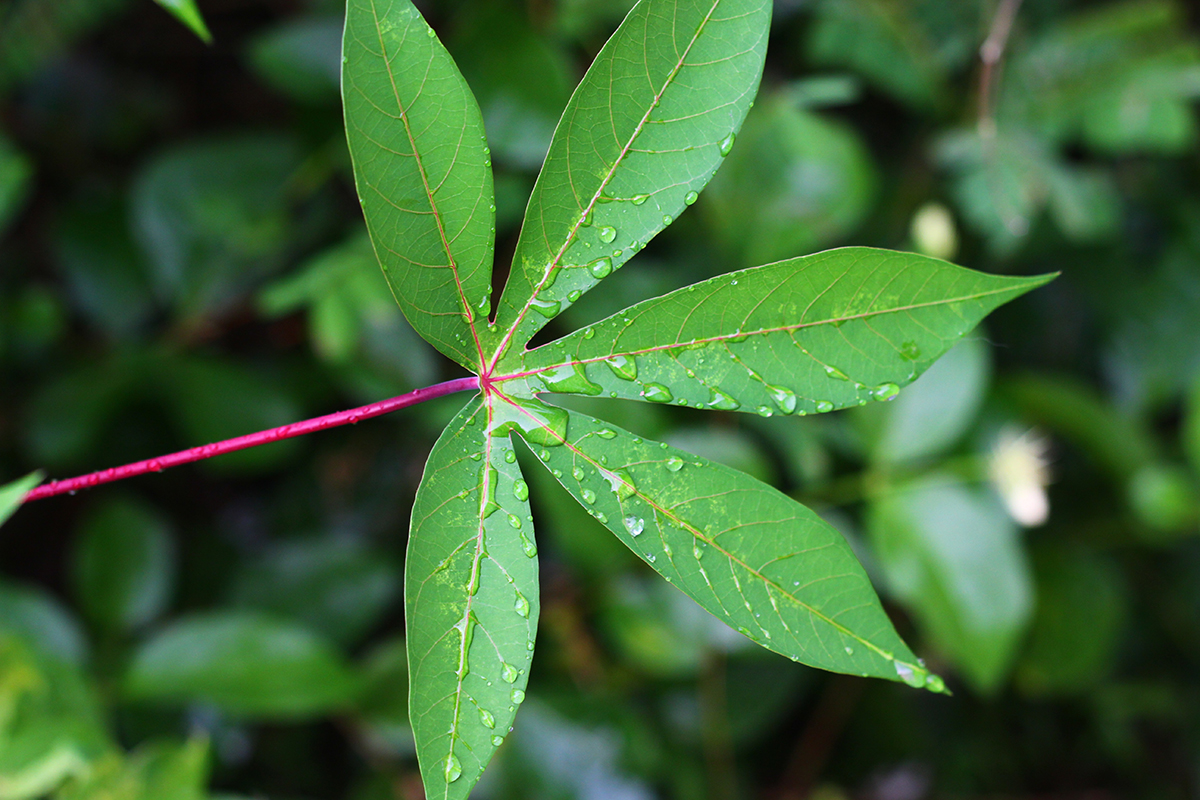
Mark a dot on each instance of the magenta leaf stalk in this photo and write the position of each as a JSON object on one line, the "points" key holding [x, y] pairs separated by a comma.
{"points": [[353, 415]]}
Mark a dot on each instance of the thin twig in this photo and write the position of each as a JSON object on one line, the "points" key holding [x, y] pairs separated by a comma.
{"points": [[990, 53], [349, 417]]}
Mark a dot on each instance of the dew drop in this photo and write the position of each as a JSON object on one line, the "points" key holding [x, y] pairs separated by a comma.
{"points": [[429, 32], [673, 464], [885, 391], [509, 672], [547, 308], [601, 267], [497, 740], [544, 455], [577, 473], [607, 233], [574, 296], [691, 197], [727, 144], [521, 490], [624, 367], [849, 650], [601, 517], [486, 718], [510, 457], [518, 696], [514, 521], [453, 769], [639, 199], [588, 333], [521, 605], [667, 220], [765, 411], [606, 433], [913, 676], [621, 483], [569, 379], [836, 374], [588, 496], [824, 406], [635, 525], [910, 351], [657, 393], [934, 683], [722, 401], [784, 398]]}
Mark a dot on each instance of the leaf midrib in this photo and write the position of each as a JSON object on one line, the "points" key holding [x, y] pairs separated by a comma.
{"points": [[437, 215], [684, 524], [739, 334], [554, 264]]}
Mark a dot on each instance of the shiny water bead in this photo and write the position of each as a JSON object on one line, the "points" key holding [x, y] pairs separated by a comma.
{"points": [[722, 401], [510, 457], [574, 296], [518, 696], [885, 392], [913, 676], [521, 605], [521, 490], [784, 398], [497, 740], [514, 521], [588, 333], [635, 525], [657, 393], [607, 233], [453, 769], [621, 483], [726, 144], [547, 308], [509, 672], [606, 433], [568, 379], [639, 199], [824, 406], [588, 496], [527, 545], [601, 267], [910, 351], [673, 464], [624, 367], [836, 374], [486, 718], [577, 473], [691, 197]]}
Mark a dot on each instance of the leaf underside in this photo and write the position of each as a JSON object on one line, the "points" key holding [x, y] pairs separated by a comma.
{"points": [[643, 133]]}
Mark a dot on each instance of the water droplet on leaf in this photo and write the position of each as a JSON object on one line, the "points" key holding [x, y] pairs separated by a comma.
{"points": [[601, 267], [727, 144], [624, 367], [784, 398], [657, 393], [673, 464], [607, 233]]}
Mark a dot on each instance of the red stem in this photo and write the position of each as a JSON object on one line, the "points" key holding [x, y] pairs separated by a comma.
{"points": [[253, 439]]}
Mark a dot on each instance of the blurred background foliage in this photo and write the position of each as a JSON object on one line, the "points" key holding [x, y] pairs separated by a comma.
{"points": [[182, 260]]}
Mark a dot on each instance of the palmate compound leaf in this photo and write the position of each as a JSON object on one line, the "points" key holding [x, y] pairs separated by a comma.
{"points": [[471, 599], [645, 130], [749, 554], [423, 173], [800, 336]]}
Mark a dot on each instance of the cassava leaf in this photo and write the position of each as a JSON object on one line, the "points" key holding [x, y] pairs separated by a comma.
{"points": [[11, 494], [805, 335], [471, 599], [187, 12], [423, 173], [643, 133], [749, 554]]}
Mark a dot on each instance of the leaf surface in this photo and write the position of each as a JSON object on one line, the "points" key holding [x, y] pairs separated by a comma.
{"points": [[643, 133], [187, 12], [800, 336], [471, 600], [758, 560], [11, 494], [423, 172]]}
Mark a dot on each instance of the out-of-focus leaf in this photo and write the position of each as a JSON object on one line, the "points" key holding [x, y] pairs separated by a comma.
{"points": [[471, 599], [11, 494], [797, 181], [1191, 426], [34, 33], [1166, 498], [301, 57], [935, 412], [759, 561], [1081, 609], [155, 771], [423, 173], [67, 415], [246, 664], [212, 217], [50, 727], [1114, 441], [802, 336], [644, 132], [37, 320], [906, 49], [106, 272], [383, 703], [214, 400], [16, 171], [951, 554], [41, 621], [124, 565], [187, 12], [333, 586], [522, 80]]}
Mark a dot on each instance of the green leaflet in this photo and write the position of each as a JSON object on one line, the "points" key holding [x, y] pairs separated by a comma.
{"points": [[806, 335], [188, 13], [423, 173], [11, 494], [471, 599], [752, 556], [643, 133]]}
